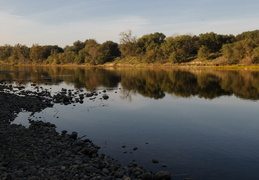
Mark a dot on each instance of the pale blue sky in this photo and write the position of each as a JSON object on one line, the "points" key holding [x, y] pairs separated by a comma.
{"points": [[61, 22]]}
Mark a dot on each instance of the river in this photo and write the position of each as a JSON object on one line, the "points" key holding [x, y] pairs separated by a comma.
{"points": [[197, 123]]}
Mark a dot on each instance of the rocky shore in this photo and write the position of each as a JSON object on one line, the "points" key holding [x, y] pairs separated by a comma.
{"points": [[39, 152]]}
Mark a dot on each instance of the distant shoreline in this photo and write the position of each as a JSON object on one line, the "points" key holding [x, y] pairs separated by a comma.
{"points": [[145, 65]]}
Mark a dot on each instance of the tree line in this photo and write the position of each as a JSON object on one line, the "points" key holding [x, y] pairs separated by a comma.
{"points": [[150, 48]]}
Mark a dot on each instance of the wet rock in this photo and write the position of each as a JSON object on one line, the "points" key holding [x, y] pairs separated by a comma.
{"points": [[73, 135], [89, 94], [81, 96], [64, 132], [63, 168], [105, 97], [40, 152], [162, 175], [163, 165], [135, 148], [147, 176], [155, 161]]}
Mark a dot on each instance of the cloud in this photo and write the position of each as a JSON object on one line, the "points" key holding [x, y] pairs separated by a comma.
{"points": [[19, 29], [16, 29]]}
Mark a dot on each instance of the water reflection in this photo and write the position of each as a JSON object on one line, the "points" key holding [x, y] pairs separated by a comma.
{"points": [[208, 134], [150, 83]]}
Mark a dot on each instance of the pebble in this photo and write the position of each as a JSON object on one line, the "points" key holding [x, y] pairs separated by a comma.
{"points": [[40, 152]]}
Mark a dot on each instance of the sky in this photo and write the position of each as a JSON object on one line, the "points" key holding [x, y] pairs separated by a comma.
{"points": [[62, 22]]}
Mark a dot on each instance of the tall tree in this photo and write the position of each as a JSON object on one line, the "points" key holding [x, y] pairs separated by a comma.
{"points": [[128, 44], [108, 51], [37, 53], [91, 49]]}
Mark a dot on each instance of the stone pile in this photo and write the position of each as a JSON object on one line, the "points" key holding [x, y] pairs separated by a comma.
{"points": [[39, 152]]}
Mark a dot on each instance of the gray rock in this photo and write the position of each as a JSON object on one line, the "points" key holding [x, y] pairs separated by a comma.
{"points": [[73, 135], [147, 176], [63, 168], [39, 152], [155, 161], [105, 96], [162, 175]]}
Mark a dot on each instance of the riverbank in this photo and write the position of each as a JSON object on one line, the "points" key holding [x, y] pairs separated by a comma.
{"points": [[196, 64], [39, 152]]}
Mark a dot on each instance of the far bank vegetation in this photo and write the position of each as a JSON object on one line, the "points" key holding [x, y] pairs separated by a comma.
{"points": [[154, 48]]}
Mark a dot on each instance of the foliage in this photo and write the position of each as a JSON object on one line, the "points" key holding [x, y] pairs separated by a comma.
{"points": [[128, 45], [214, 41], [150, 48], [256, 55], [203, 52], [239, 50], [5, 52], [20, 54], [107, 52]]}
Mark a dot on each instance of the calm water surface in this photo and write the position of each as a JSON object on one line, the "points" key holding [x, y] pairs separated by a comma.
{"points": [[202, 124]]}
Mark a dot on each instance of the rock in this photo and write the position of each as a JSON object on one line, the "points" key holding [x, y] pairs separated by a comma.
{"points": [[147, 176], [163, 165], [89, 94], [155, 161], [93, 151], [105, 170], [3, 168], [63, 168], [73, 135], [8, 177], [40, 152], [105, 97], [126, 178], [81, 96], [64, 132], [162, 175], [135, 148]]}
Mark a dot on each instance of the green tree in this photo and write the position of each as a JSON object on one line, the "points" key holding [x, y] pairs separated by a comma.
{"points": [[187, 43], [150, 42], [5, 52], [92, 50], [107, 52], [80, 58], [37, 53], [180, 48], [214, 41], [203, 52], [148, 47], [168, 47], [178, 56], [228, 53], [256, 55], [20, 54], [77, 46], [252, 35], [49, 50]]}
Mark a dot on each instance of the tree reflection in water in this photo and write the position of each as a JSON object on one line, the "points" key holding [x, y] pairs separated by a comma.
{"points": [[152, 83]]}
